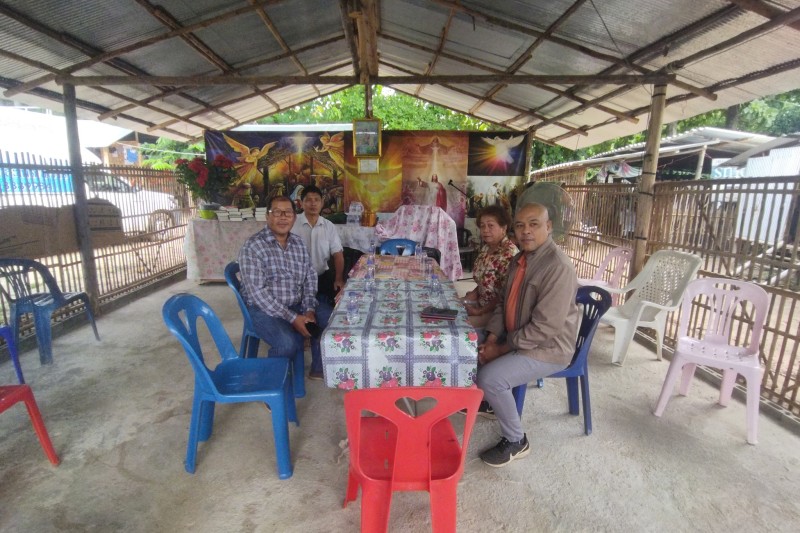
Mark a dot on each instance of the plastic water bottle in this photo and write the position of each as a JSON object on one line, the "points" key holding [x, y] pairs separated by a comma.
{"points": [[370, 278], [419, 253], [373, 244], [352, 308], [435, 285]]}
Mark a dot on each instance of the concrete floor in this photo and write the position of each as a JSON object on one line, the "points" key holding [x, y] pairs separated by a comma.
{"points": [[118, 414]]}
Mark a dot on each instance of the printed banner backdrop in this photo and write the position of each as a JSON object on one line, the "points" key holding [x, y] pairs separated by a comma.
{"points": [[458, 171], [283, 163]]}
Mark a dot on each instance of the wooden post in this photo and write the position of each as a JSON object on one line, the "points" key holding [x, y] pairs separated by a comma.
{"points": [[367, 99], [701, 157], [528, 157], [644, 207], [81, 207]]}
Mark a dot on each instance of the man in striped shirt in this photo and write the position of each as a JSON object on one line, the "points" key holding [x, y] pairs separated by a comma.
{"points": [[279, 285]]}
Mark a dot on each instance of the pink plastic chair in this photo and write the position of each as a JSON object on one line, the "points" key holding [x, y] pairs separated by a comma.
{"points": [[398, 451], [13, 394], [714, 349], [622, 255]]}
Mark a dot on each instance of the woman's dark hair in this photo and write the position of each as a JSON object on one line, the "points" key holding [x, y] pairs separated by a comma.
{"points": [[497, 212]]}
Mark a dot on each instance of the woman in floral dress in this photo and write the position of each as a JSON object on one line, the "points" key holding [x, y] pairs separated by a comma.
{"points": [[490, 269]]}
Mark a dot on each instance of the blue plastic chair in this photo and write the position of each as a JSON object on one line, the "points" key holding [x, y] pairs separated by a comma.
{"points": [[31, 288], [233, 380], [390, 247], [249, 343], [8, 335], [595, 302]]}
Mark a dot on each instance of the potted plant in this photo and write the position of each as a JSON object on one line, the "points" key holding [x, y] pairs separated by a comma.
{"points": [[206, 180]]}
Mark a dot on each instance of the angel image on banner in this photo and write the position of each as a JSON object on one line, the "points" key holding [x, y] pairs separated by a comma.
{"points": [[247, 162], [334, 146], [498, 154]]}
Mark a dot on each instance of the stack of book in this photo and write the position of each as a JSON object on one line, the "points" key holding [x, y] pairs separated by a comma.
{"points": [[246, 213], [261, 214]]}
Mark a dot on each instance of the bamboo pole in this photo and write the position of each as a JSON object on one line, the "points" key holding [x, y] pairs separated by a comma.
{"points": [[89, 270], [644, 207], [701, 156]]}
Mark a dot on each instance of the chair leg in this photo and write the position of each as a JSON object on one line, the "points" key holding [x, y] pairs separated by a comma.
{"points": [[194, 431], [298, 376], [726, 387], [669, 383], [206, 420], [661, 324], [38, 425], [587, 405], [623, 335], [443, 506], [687, 378], [572, 396], [90, 315], [753, 402], [351, 494], [44, 334], [519, 396], [8, 335], [280, 430], [376, 501]]}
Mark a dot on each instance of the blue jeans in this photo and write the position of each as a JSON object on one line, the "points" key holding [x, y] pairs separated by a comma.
{"points": [[283, 339]]}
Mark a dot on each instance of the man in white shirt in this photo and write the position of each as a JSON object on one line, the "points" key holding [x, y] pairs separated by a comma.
{"points": [[323, 242]]}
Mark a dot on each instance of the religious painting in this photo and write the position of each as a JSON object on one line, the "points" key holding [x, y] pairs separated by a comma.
{"points": [[483, 191], [497, 154], [272, 164], [435, 170], [367, 137]]}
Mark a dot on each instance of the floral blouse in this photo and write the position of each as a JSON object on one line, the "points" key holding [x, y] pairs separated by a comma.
{"points": [[490, 269]]}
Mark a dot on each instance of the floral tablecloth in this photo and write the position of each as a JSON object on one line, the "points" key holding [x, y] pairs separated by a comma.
{"points": [[391, 345]]}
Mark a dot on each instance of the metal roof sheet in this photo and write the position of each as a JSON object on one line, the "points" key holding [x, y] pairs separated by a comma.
{"points": [[194, 52]]}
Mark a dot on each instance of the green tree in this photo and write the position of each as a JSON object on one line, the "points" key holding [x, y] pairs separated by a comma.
{"points": [[162, 154]]}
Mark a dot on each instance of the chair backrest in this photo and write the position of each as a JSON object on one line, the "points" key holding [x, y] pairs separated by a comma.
{"points": [[26, 278], [464, 237], [232, 279], [594, 302], [662, 281], [412, 452], [622, 255], [721, 300], [390, 247], [181, 313]]}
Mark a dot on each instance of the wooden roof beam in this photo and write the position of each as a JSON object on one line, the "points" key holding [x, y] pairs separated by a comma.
{"points": [[367, 37], [499, 72], [527, 54], [525, 30], [349, 35], [206, 81], [111, 54], [442, 40], [518, 110]]}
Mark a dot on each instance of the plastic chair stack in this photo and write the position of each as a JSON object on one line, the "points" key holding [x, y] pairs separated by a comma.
{"points": [[721, 300], [31, 288], [658, 290], [233, 380], [595, 302], [248, 346], [398, 451]]}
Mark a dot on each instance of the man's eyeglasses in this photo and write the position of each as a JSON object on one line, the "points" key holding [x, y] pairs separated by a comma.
{"points": [[277, 213]]}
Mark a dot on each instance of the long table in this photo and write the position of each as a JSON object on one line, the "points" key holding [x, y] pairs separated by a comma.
{"points": [[212, 244], [391, 345]]}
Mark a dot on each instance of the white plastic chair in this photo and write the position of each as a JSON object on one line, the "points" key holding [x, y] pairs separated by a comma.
{"points": [[714, 348], [658, 289], [622, 255]]}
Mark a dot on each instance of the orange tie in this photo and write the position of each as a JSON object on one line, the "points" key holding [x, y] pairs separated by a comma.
{"points": [[513, 294]]}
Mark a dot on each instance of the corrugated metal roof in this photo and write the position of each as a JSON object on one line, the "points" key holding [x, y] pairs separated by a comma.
{"points": [[421, 39]]}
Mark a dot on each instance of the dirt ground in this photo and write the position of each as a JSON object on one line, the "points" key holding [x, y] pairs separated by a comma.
{"points": [[118, 414]]}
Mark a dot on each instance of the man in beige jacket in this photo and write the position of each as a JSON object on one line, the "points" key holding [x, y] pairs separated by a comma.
{"points": [[532, 331]]}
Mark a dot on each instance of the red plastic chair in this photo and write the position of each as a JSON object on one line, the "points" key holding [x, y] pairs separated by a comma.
{"points": [[397, 451], [12, 394]]}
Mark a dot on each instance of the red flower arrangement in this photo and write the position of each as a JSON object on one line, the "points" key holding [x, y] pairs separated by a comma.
{"points": [[206, 180]]}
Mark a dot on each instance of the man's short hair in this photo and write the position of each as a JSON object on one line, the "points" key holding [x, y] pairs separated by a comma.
{"points": [[278, 199], [310, 189]]}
